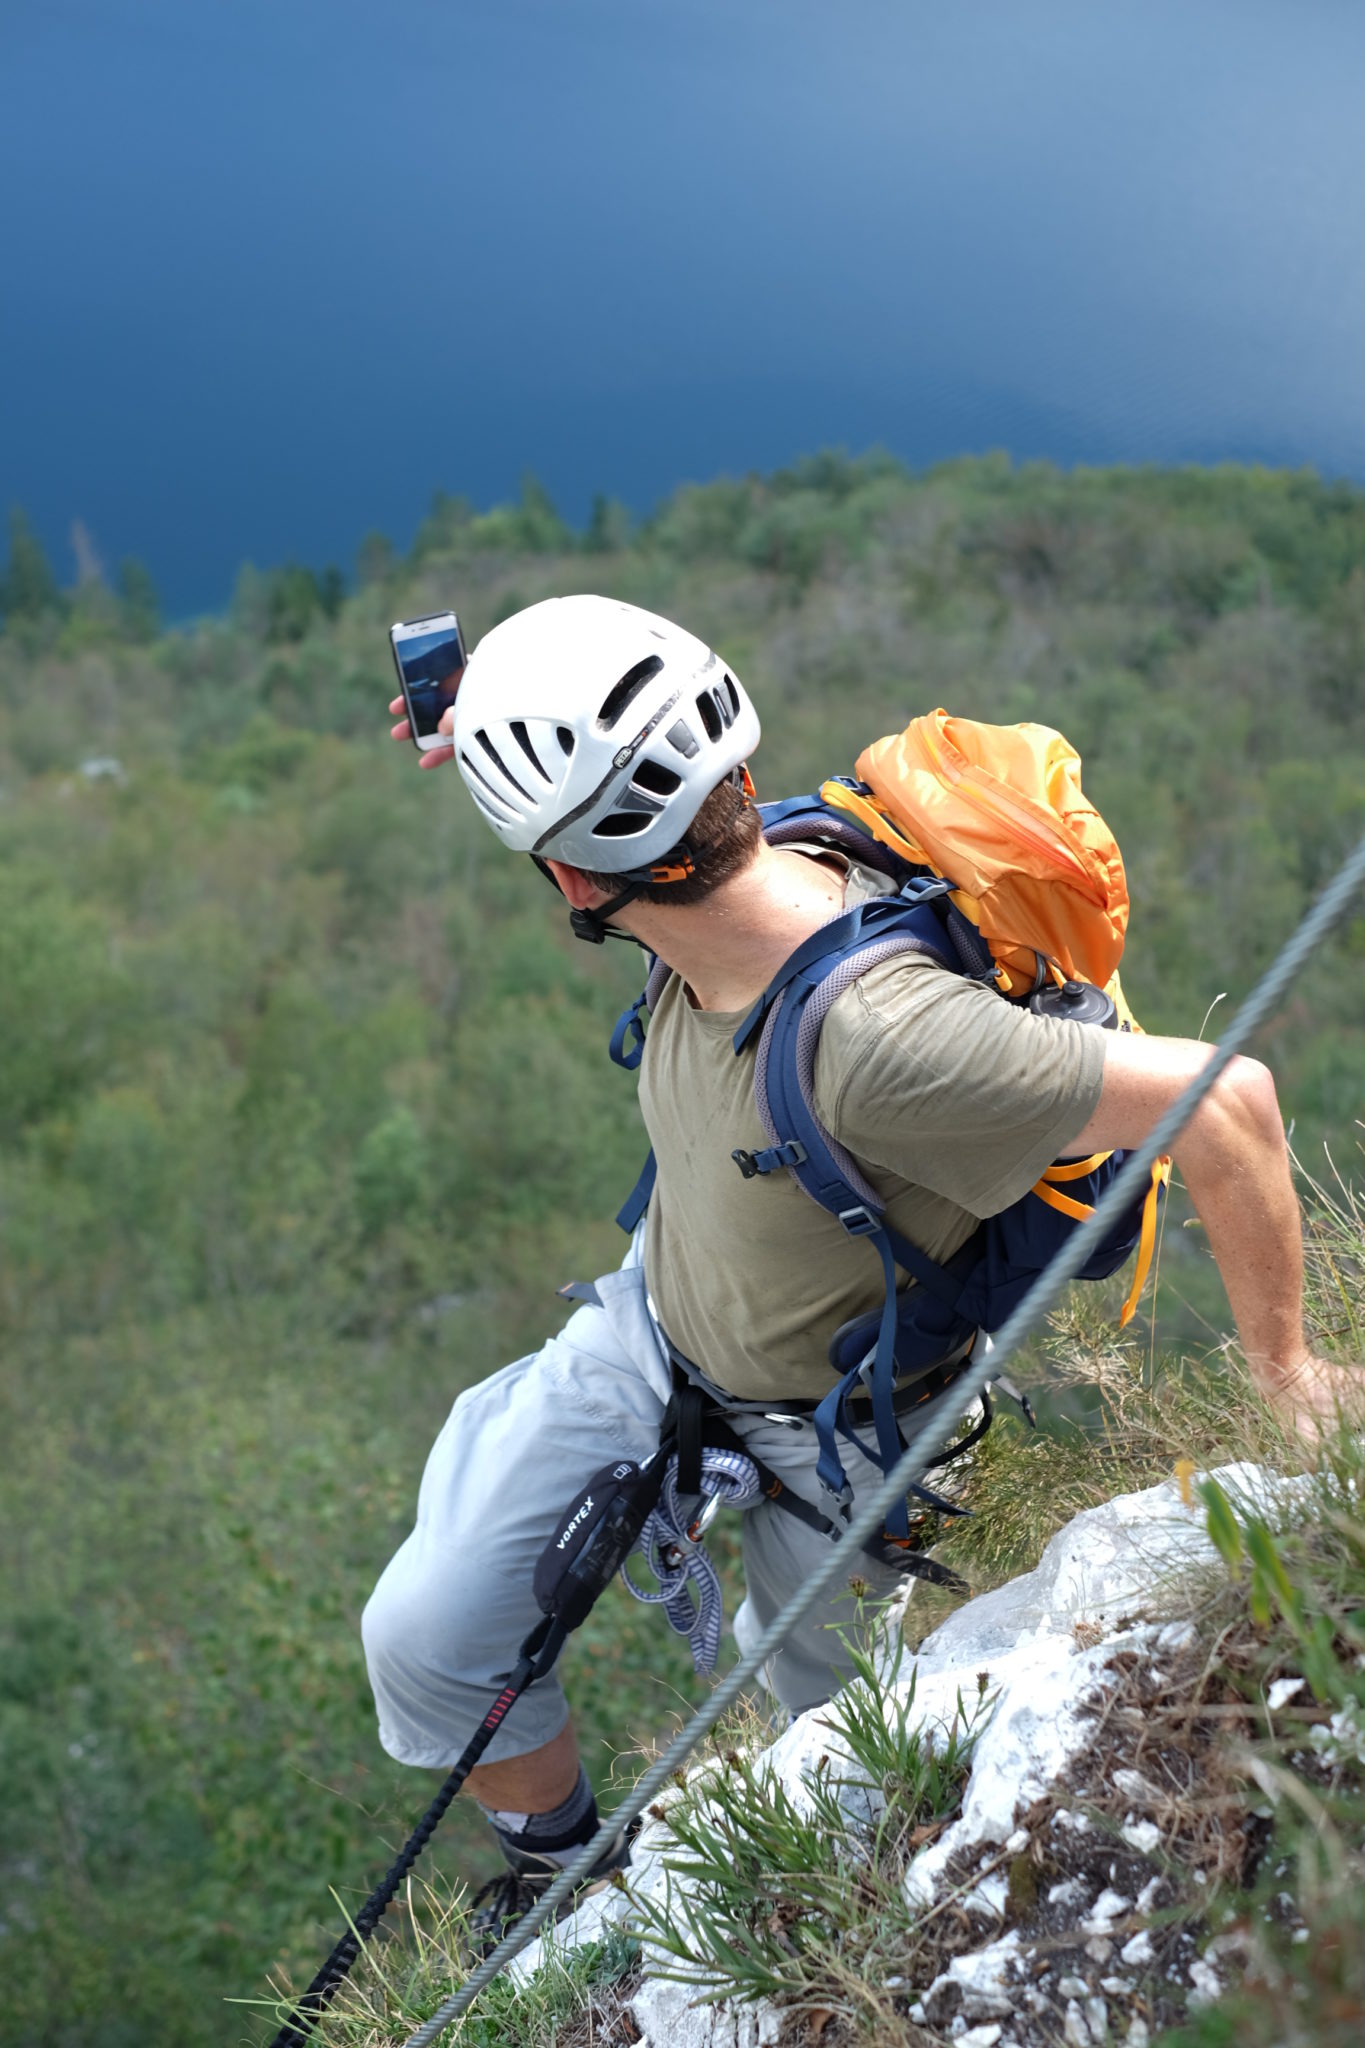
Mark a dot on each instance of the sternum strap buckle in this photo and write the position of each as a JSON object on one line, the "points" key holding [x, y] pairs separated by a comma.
{"points": [[792, 1153]]}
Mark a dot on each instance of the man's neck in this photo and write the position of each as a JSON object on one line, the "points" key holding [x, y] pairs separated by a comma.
{"points": [[728, 947]]}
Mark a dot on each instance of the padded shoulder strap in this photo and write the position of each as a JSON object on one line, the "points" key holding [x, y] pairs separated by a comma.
{"points": [[921, 904], [811, 818], [784, 1071]]}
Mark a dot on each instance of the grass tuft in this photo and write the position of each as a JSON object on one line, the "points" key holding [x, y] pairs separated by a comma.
{"points": [[798, 1897], [414, 1965]]}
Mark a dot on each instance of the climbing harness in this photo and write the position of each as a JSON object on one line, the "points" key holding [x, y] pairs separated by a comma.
{"points": [[698, 1415]]}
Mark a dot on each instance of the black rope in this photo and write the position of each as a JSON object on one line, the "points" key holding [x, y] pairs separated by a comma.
{"points": [[309, 2009]]}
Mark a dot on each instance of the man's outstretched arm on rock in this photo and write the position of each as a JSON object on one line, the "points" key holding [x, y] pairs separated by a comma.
{"points": [[1234, 1160]]}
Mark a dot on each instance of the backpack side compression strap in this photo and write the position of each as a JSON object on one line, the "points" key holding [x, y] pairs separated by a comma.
{"points": [[637, 1201]]}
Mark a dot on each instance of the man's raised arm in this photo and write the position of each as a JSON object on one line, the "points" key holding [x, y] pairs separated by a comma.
{"points": [[1234, 1160]]}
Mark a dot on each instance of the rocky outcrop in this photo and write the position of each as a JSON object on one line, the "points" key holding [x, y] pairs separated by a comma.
{"points": [[1072, 1835]]}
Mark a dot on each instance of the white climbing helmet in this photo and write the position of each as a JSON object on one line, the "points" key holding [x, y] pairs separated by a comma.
{"points": [[592, 732]]}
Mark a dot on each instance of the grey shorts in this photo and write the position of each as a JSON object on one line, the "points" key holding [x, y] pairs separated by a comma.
{"points": [[449, 1614]]}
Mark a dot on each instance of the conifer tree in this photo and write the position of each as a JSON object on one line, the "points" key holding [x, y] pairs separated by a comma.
{"points": [[608, 527], [539, 526], [137, 594], [28, 587]]}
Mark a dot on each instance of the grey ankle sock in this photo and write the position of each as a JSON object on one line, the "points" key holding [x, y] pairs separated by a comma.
{"points": [[555, 1834]]}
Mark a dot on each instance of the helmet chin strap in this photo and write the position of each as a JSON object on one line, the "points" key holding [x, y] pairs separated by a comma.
{"points": [[595, 925]]}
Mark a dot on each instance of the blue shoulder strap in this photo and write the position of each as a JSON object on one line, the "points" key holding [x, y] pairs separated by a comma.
{"points": [[627, 1045], [789, 1016]]}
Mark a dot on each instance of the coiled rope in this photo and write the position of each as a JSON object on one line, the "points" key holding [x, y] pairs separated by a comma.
{"points": [[672, 1549], [870, 1517]]}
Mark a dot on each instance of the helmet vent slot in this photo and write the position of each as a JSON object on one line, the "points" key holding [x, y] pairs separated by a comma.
{"points": [[566, 737], [710, 717], [727, 716], [619, 699], [495, 818], [623, 824], [504, 812], [661, 781], [733, 694], [496, 758], [523, 740]]}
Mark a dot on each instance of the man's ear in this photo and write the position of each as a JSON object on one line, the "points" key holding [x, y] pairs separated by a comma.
{"points": [[578, 892]]}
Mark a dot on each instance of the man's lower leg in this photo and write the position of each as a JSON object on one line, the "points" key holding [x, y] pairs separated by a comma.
{"points": [[555, 1836], [538, 1834], [535, 1782]]}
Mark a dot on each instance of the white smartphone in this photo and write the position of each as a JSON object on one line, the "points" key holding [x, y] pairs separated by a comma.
{"points": [[430, 657]]}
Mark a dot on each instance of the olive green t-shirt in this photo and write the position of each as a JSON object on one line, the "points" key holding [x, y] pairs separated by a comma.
{"points": [[950, 1099]]}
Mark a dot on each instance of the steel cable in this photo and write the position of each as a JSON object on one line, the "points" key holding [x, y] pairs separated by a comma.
{"points": [[912, 1466]]}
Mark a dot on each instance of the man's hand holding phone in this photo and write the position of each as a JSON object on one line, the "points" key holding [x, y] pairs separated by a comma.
{"points": [[431, 757]]}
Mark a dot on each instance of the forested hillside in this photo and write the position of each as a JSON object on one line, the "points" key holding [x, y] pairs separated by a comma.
{"points": [[305, 1109]]}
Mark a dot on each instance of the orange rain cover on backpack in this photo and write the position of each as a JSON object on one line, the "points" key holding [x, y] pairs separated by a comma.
{"points": [[999, 810]]}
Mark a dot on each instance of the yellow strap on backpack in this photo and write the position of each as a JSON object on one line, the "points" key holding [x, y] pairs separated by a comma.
{"points": [[1073, 1169], [999, 810]]}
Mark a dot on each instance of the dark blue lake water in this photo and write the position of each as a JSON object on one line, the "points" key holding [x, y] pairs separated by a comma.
{"points": [[276, 270]]}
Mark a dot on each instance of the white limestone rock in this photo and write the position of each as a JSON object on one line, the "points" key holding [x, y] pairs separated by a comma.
{"points": [[1110, 1562], [668, 2017]]}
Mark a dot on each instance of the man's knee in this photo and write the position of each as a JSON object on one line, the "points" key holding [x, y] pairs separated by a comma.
{"points": [[432, 1620], [384, 1629], [436, 1656]]}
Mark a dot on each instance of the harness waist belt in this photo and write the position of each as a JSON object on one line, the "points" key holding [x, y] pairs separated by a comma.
{"points": [[926, 1384]]}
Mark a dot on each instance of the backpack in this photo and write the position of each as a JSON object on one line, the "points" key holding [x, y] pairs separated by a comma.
{"points": [[1005, 874]]}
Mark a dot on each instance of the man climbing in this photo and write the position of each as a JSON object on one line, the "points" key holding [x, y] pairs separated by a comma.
{"points": [[611, 746]]}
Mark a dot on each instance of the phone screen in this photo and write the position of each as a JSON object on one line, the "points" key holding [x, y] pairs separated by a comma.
{"points": [[430, 665]]}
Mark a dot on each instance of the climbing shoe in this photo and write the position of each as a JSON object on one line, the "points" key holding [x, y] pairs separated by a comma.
{"points": [[497, 1906]]}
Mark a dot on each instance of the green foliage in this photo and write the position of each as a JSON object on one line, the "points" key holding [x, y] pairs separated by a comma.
{"points": [[305, 1110], [1296, 1611], [915, 1781], [375, 561], [1224, 1532], [1277, 1598], [297, 598], [442, 528], [390, 1172], [397, 1985], [540, 530], [61, 993], [453, 528]]}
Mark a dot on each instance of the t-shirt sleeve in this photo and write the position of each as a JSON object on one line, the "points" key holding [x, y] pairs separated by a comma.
{"points": [[939, 1082]]}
